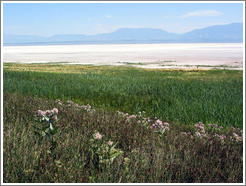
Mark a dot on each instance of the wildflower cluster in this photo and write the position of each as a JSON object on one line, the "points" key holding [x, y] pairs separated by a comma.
{"points": [[122, 114], [236, 137], [213, 133], [160, 128], [200, 131], [221, 137], [86, 108], [157, 125], [236, 134], [131, 118], [48, 115], [103, 153], [46, 125], [59, 102]]}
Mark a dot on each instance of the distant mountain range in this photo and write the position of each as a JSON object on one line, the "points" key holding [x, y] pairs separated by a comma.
{"points": [[231, 33]]}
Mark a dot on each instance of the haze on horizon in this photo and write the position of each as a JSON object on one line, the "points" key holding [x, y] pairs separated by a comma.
{"points": [[48, 19]]}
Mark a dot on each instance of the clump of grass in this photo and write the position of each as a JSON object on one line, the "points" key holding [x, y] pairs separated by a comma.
{"points": [[145, 157]]}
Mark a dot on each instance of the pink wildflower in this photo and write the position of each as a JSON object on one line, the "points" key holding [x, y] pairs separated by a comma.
{"points": [[98, 136], [165, 124], [201, 127], [47, 112], [238, 138], [55, 110], [130, 117], [40, 112], [110, 143], [159, 122], [198, 134]]}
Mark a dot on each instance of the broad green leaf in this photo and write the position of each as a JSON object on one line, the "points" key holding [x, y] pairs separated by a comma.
{"points": [[51, 126]]}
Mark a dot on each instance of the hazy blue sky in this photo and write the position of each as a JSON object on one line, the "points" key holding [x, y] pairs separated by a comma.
{"points": [[46, 19]]}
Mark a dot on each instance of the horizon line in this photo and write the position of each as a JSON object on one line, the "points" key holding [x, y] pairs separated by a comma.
{"points": [[128, 28]]}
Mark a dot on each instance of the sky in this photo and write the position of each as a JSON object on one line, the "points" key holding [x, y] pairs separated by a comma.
{"points": [[47, 19]]}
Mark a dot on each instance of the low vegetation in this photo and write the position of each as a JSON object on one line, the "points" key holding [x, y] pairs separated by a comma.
{"points": [[85, 124]]}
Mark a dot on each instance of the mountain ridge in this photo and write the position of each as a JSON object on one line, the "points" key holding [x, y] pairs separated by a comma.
{"points": [[218, 33]]}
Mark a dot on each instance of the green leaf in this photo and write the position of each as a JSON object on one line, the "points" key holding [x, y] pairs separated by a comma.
{"points": [[46, 118], [51, 126], [39, 122], [54, 131], [163, 130], [44, 128], [43, 133], [163, 137], [114, 145], [47, 130]]}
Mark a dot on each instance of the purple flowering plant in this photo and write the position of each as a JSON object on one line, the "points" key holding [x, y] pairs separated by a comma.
{"points": [[45, 126], [103, 153], [156, 124]]}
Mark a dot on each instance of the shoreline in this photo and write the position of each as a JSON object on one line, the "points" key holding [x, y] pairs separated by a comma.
{"points": [[186, 68], [182, 55]]}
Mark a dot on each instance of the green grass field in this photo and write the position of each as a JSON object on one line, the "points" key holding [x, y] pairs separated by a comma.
{"points": [[180, 97]]}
